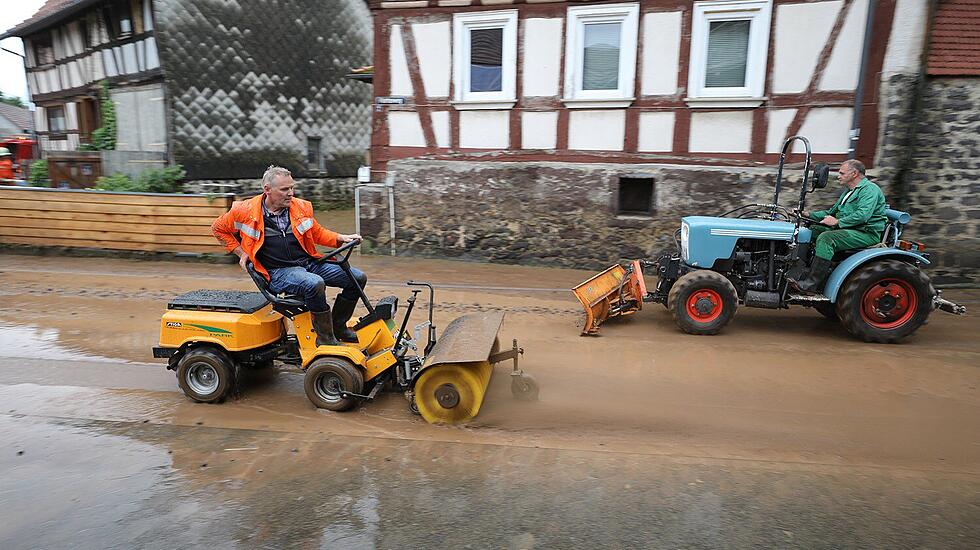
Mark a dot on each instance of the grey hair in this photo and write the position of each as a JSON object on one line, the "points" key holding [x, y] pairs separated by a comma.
{"points": [[854, 164], [273, 172]]}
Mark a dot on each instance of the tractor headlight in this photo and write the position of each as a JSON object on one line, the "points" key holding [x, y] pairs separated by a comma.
{"points": [[685, 236]]}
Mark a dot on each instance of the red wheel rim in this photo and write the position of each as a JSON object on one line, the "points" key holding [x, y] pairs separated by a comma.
{"points": [[704, 305], [889, 303]]}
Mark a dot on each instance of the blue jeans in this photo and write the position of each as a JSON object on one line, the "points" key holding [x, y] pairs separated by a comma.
{"points": [[310, 283]]}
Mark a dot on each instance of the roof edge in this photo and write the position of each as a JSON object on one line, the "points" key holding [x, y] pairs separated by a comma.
{"points": [[23, 30]]}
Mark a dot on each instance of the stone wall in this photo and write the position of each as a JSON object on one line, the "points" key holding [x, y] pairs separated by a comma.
{"points": [[325, 194], [554, 213], [943, 180]]}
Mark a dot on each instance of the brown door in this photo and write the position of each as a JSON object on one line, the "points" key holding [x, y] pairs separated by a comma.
{"points": [[88, 119]]}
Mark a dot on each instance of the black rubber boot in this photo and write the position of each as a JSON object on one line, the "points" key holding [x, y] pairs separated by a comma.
{"points": [[323, 325], [817, 277], [342, 311]]}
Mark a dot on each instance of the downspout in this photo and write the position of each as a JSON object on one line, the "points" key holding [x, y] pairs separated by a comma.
{"points": [[855, 132]]}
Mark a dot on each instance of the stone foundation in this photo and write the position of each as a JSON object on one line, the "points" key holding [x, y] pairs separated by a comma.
{"points": [[558, 214], [325, 194]]}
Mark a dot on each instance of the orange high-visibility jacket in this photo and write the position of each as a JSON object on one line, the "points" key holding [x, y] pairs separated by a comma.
{"points": [[6, 169], [245, 218]]}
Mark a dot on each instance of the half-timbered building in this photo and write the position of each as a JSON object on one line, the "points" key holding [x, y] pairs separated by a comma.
{"points": [[222, 88]]}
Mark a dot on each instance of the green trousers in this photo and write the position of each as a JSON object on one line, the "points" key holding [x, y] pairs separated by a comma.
{"points": [[830, 241]]}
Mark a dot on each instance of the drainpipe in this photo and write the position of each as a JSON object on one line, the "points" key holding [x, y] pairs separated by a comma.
{"points": [[855, 132]]}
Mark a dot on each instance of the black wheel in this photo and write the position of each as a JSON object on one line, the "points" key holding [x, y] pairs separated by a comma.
{"points": [[828, 310], [702, 302], [885, 301], [206, 375], [327, 378], [524, 387]]}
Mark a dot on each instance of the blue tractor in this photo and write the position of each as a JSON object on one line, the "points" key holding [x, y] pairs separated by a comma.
{"points": [[746, 257]]}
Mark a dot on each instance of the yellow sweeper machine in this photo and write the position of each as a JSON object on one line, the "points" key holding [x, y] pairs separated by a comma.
{"points": [[209, 336]]}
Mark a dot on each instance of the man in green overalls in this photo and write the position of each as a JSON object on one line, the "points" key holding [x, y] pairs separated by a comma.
{"points": [[856, 220]]}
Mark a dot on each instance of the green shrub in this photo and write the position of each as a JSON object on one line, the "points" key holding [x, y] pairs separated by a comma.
{"points": [[39, 173], [104, 138], [158, 180], [164, 180]]}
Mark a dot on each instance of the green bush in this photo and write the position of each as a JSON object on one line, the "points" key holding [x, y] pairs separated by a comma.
{"points": [[39, 173], [158, 180]]}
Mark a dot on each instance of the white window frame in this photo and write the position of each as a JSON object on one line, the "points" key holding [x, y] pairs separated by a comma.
{"points": [[751, 95], [578, 16], [462, 24]]}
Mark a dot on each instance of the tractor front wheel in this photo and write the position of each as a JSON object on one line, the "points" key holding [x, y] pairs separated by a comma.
{"points": [[885, 301], [328, 378], [702, 302]]}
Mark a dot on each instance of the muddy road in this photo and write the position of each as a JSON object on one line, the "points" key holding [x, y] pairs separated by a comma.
{"points": [[782, 431]]}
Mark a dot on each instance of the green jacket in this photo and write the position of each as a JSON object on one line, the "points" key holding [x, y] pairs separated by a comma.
{"points": [[864, 210]]}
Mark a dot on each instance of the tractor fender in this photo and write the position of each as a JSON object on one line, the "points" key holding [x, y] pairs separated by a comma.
{"points": [[855, 261]]}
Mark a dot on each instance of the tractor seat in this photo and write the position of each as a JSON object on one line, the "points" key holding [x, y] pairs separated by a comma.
{"points": [[289, 305]]}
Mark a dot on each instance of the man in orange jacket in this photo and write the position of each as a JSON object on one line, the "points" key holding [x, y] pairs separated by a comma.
{"points": [[6, 165], [278, 234]]}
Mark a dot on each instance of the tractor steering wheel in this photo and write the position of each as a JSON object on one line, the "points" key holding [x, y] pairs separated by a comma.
{"points": [[346, 249]]}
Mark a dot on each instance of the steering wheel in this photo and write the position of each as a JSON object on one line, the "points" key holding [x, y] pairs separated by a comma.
{"points": [[346, 249]]}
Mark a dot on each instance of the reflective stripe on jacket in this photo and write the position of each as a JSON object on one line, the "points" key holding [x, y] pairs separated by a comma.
{"points": [[245, 218]]}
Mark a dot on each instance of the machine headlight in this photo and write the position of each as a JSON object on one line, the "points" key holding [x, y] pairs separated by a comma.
{"points": [[685, 235]]}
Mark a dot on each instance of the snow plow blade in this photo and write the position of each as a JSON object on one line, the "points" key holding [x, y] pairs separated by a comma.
{"points": [[616, 291]]}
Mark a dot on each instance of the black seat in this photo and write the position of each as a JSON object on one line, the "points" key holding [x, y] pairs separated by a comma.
{"points": [[289, 305]]}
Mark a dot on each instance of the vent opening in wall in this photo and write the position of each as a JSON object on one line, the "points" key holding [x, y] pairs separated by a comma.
{"points": [[635, 196], [314, 159]]}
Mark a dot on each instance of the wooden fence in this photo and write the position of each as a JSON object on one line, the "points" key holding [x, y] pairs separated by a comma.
{"points": [[148, 222]]}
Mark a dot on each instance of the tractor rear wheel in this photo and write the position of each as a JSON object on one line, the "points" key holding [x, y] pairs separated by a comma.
{"points": [[702, 302], [328, 378], [885, 301], [205, 374]]}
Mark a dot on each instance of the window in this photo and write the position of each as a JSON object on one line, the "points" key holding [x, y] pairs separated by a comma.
{"points": [[313, 153], [729, 45], [56, 119], [600, 63], [43, 50], [484, 59], [635, 196], [119, 19]]}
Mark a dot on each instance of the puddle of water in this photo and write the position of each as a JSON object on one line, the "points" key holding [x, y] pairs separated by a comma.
{"points": [[32, 342]]}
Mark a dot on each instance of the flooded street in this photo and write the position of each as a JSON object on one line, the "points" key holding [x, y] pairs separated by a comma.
{"points": [[780, 432]]}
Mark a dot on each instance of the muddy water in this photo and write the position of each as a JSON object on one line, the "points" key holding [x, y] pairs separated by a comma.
{"points": [[785, 386]]}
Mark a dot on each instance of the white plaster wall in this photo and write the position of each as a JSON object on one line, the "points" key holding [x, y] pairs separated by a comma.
{"points": [[779, 120], [656, 132], [827, 129], [40, 120], [152, 57], [404, 129], [401, 84], [542, 56], [726, 132], [907, 38], [484, 129], [845, 61], [539, 130], [440, 126], [661, 50], [801, 32], [433, 48], [129, 58], [110, 62], [71, 116], [597, 130]]}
